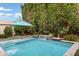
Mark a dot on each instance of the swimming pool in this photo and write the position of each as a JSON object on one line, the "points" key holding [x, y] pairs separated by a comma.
{"points": [[37, 47]]}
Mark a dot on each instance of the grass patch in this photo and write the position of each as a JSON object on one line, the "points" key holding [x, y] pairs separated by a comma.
{"points": [[71, 38], [77, 53]]}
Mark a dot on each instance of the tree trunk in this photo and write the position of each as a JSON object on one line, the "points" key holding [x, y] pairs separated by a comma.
{"points": [[22, 32], [58, 36]]}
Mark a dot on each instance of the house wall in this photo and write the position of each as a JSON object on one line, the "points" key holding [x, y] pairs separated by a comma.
{"points": [[2, 27]]}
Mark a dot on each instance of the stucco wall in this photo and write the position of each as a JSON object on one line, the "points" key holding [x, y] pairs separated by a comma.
{"points": [[2, 27]]}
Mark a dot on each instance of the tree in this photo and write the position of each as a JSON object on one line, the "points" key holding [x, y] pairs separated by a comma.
{"points": [[46, 18]]}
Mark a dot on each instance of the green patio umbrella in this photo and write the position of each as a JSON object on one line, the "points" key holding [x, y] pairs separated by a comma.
{"points": [[17, 23], [21, 23]]}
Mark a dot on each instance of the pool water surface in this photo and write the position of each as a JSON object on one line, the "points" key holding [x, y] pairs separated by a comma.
{"points": [[38, 47]]}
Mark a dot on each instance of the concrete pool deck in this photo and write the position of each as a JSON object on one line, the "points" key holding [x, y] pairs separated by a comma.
{"points": [[70, 52], [2, 52]]}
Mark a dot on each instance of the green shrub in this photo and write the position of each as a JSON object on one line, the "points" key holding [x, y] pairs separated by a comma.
{"points": [[77, 53], [17, 30], [51, 34], [71, 37], [8, 31], [2, 36]]}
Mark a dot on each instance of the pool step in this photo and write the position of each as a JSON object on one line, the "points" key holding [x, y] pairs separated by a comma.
{"points": [[7, 44]]}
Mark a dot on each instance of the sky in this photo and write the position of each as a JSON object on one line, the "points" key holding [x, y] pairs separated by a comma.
{"points": [[10, 11]]}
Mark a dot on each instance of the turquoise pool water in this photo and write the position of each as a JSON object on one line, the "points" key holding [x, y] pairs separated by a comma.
{"points": [[38, 48]]}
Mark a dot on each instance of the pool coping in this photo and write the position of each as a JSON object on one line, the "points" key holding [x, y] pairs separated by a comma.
{"points": [[70, 52]]}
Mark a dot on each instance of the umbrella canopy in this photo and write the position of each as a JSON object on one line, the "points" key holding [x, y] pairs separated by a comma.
{"points": [[21, 23], [17, 23]]}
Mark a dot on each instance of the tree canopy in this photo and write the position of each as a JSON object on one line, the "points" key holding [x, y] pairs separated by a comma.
{"points": [[51, 18]]}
